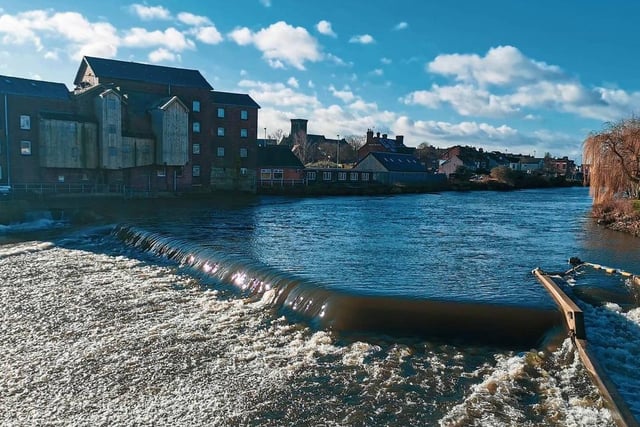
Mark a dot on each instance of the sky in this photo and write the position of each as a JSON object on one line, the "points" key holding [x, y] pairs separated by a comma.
{"points": [[516, 76]]}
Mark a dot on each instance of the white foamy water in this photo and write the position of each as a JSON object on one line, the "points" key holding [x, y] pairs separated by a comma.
{"points": [[93, 339]]}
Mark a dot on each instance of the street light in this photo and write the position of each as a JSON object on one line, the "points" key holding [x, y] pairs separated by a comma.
{"points": [[265, 136], [338, 152]]}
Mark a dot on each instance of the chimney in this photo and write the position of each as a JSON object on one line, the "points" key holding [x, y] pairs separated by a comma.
{"points": [[369, 136], [384, 136], [399, 140], [378, 135], [298, 125]]}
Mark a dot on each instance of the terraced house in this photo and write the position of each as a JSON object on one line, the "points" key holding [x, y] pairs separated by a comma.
{"points": [[127, 127]]}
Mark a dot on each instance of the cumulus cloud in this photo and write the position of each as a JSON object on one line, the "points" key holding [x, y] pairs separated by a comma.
{"points": [[345, 95], [504, 82], [281, 44], [163, 55], [193, 20], [386, 61], [502, 65], [83, 37], [208, 35], [277, 94], [293, 82], [362, 39], [149, 13], [170, 39], [324, 27], [265, 3]]}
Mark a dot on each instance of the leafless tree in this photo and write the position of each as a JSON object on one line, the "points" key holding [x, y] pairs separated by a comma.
{"points": [[613, 158], [277, 135], [303, 148]]}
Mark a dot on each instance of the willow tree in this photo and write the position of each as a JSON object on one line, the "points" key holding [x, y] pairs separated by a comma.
{"points": [[613, 156]]}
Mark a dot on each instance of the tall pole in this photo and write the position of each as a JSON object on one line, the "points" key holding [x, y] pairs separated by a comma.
{"points": [[6, 136], [265, 136], [338, 152]]}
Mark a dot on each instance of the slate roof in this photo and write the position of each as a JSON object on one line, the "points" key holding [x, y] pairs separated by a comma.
{"points": [[135, 71], [34, 88], [69, 117], [278, 156], [230, 98], [395, 162]]}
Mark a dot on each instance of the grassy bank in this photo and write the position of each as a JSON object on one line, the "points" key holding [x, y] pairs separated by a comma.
{"points": [[619, 215]]}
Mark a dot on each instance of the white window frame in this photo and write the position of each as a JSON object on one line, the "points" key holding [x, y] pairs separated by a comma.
{"points": [[220, 131], [244, 153], [365, 176], [353, 176], [326, 176], [196, 149], [220, 152], [161, 172], [342, 176], [25, 122], [311, 176], [278, 174], [195, 106], [25, 148], [265, 174]]}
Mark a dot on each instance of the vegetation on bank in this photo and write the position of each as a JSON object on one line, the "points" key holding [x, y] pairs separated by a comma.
{"points": [[613, 159]]}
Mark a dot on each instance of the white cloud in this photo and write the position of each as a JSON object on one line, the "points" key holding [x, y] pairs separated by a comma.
{"points": [[362, 39], [83, 37], [163, 55], [170, 38], [345, 95], [293, 82], [193, 20], [148, 13], [386, 61], [281, 44], [265, 3], [310, 84], [208, 35], [401, 26], [324, 27], [502, 65], [378, 72], [277, 94]]}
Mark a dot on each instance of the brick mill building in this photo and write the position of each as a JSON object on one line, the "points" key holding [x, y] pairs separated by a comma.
{"points": [[126, 127]]}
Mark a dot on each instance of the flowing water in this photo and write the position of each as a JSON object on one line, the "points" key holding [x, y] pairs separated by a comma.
{"points": [[403, 310]]}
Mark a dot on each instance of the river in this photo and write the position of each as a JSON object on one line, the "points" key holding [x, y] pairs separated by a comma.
{"points": [[389, 310]]}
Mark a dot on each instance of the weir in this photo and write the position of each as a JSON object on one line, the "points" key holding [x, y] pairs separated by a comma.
{"points": [[331, 309], [574, 323]]}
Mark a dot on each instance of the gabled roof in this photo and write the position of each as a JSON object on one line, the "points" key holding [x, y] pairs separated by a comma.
{"points": [[35, 88], [395, 162], [135, 71], [278, 156], [230, 98], [164, 103]]}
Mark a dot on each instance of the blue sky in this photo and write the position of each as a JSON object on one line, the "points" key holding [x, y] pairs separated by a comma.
{"points": [[520, 76]]}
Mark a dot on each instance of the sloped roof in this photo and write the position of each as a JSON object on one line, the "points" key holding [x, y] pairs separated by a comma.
{"points": [[278, 156], [230, 98], [35, 88], [135, 71], [395, 162], [69, 117]]}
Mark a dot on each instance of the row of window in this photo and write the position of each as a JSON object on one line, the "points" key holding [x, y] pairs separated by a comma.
{"points": [[244, 133], [244, 114], [244, 152], [342, 176]]}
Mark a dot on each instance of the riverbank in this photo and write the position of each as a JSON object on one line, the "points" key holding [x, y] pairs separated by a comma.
{"points": [[619, 215]]}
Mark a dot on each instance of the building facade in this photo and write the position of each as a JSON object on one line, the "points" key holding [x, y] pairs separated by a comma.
{"points": [[127, 127]]}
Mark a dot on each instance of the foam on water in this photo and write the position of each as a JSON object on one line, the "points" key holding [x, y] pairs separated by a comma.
{"points": [[88, 338]]}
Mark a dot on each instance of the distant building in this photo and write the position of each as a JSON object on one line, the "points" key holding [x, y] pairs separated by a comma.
{"points": [[278, 166], [396, 169], [312, 148], [383, 144]]}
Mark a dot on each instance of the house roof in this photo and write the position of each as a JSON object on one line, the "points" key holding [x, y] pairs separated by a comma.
{"points": [[230, 98], [135, 71], [68, 117], [34, 88], [278, 156], [396, 162]]}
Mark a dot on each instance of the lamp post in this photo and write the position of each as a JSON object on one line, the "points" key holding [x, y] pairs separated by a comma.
{"points": [[265, 136], [338, 152]]}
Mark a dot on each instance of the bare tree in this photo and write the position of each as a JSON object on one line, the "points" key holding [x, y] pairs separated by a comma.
{"points": [[277, 135], [613, 157], [302, 148]]}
